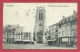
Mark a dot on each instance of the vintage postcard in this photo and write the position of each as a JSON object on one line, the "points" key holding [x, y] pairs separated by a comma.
{"points": [[40, 25]]}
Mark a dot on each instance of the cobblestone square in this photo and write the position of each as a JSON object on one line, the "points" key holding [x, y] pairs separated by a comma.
{"points": [[33, 46]]}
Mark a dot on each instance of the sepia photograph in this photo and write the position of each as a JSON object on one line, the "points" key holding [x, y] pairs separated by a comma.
{"points": [[40, 25]]}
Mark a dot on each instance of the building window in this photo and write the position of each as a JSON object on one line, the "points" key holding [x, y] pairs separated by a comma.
{"points": [[56, 30], [62, 27], [63, 21], [59, 32], [67, 32], [26, 34], [62, 33], [66, 26]]}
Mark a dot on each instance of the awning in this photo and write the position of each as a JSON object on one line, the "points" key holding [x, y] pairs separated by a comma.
{"points": [[26, 40], [18, 39], [53, 39]]}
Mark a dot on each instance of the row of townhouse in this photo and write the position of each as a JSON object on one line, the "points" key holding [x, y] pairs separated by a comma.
{"points": [[15, 34], [65, 32]]}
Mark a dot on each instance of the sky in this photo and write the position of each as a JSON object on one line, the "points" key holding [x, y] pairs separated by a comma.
{"points": [[24, 13]]}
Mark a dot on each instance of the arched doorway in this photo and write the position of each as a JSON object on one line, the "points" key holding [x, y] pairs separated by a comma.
{"points": [[40, 35]]}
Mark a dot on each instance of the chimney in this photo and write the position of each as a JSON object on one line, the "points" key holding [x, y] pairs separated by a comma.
{"points": [[74, 12], [63, 17]]}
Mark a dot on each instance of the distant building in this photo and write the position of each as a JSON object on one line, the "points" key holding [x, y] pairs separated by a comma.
{"points": [[12, 32], [65, 32], [26, 37], [68, 29], [53, 30]]}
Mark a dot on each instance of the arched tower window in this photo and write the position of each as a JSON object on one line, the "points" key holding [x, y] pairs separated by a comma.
{"points": [[40, 24], [40, 16]]}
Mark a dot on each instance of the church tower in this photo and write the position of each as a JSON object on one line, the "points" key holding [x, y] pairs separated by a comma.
{"points": [[40, 25]]}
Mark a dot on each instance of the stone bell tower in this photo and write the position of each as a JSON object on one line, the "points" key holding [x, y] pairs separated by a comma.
{"points": [[40, 25]]}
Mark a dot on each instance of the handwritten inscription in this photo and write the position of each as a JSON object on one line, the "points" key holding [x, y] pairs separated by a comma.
{"points": [[58, 6], [9, 5]]}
